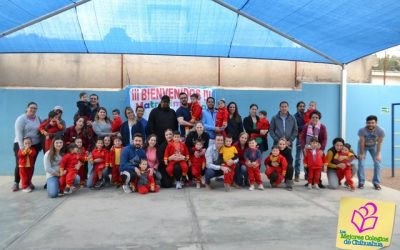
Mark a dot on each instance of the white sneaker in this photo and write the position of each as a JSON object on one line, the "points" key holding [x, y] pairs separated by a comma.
{"points": [[251, 188], [260, 187], [315, 186], [27, 190], [126, 189], [198, 185], [178, 185], [308, 186]]}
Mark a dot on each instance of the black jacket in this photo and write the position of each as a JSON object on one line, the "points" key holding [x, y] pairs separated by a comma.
{"points": [[161, 119]]}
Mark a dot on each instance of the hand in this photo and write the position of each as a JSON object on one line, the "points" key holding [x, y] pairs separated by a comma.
{"points": [[378, 157], [230, 162], [151, 171], [263, 131], [362, 156], [225, 169], [89, 123], [137, 171], [341, 165], [196, 154]]}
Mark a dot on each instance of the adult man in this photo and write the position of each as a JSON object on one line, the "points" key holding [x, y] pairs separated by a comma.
{"points": [[162, 118], [370, 140], [283, 125], [94, 106], [208, 119], [214, 161], [299, 116], [139, 118], [183, 114], [130, 159]]}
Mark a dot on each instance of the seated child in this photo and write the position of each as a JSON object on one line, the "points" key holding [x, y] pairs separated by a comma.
{"points": [[98, 159], [145, 181], [275, 167], [83, 158], [345, 156], [69, 166]]}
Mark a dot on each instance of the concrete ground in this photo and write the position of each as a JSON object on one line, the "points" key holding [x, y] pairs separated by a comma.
{"points": [[177, 219]]}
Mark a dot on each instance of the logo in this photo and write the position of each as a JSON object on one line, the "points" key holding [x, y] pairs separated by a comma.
{"points": [[363, 218]]}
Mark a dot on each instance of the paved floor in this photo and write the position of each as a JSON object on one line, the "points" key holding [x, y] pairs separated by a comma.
{"points": [[176, 219]]}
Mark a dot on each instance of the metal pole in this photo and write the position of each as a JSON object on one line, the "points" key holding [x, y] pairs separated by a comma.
{"points": [[384, 69], [219, 71], [122, 71], [343, 101], [393, 134]]}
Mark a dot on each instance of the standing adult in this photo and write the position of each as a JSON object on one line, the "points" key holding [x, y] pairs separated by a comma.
{"points": [[214, 167], [183, 114], [26, 125], [139, 118], [283, 125], [102, 124], [162, 118], [250, 126], [235, 124], [241, 176], [51, 162], [208, 119], [94, 107], [130, 127], [370, 140], [300, 124]]}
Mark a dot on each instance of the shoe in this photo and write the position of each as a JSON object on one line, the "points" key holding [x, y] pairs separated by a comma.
{"points": [[208, 187], [126, 189], [251, 188], [296, 179], [352, 189], [67, 190], [32, 186], [316, 187], [321, 186], [377, 186], [61, 194], [198, 185], [100, 184], [289, 188], [45, 186], [27, 190], [15, 187], [235, 185], [227, 187], [360, 185], [308, 186], [260, 187], [345, 184], [178, 185]]}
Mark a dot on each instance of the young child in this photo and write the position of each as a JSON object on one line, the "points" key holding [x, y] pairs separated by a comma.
{"points": [[228, 152], [198, 163], [275, 167], [252, 157], [83, 158], [117, 121], [311, 107], [195, 110], [50, 127], [286, 152], [145, 181], [221, 118], [26, 158], [262, 124], [345, 156], [69, 166], [314, 160], [83, 106], [178, 148], [114, 161], [107, 146], [98, 159]]}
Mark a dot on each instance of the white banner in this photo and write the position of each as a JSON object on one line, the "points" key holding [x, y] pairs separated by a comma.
{"points": [[149, 96]]}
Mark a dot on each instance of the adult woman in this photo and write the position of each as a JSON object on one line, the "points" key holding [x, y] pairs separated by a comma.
{"points": [[241, 177], [197, 134], [102, 124], [314, 129], [130, 127], [235, 125], [26, 125], [151, 155], [79, 130], [333, 181], [51, 162], [166, 180], [250, 126]]}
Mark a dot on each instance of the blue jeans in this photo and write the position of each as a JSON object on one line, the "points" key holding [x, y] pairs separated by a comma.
{"points": [[377, 167], [241, 177], [53, 186], [210, 173], [297, 161]]}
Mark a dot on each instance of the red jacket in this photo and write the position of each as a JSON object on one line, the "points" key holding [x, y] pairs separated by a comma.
{"points": [[69, 161], [322, 136], [112, 158], [319, 160], [70, 135], [221, 118], [173, 148], [26, 156], [276, 162], [307, 114], [50, 128], [100, 154], [82, 155], [240, 152], [196, 111], [198, 161], [116, 124]]}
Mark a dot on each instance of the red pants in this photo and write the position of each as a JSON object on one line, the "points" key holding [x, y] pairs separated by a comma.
{"points": [[345, 173], [67, 179], [171, 164], [278, 170], [228, 177], [98, 168], [115, 175], [314, 174], [150, 187], [196, 172], [254, 175], [26, 176]]}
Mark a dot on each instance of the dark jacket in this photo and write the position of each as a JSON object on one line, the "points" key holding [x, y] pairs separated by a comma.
{"points": [[249, 126], [193, 136], [234, 128], [161, 119], [124, 130]]}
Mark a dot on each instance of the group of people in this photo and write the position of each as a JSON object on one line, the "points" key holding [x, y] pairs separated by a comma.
{"points": [[188, 146]]}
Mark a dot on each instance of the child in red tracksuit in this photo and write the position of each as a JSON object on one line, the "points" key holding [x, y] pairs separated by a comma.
{"points": [[307, 115], [69, 166], [198, 163], [275, 167], [222, 116], [145, 181], [252, 157], [99, 160], [195, 111], [177, 148], [262, 124], [50, 127], [228, 153], [26, 159], [83, 158], [345, 156], [114, 161], [117, 122], [314, 160]]}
